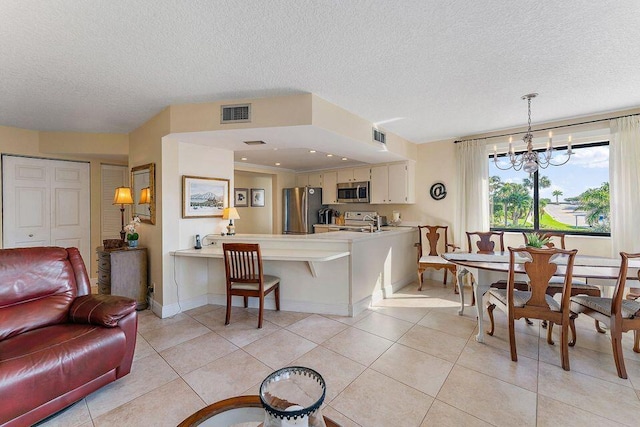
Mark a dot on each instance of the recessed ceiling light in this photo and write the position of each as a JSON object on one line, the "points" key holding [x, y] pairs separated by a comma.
{"points": [[312, 151], [244, 158], [344, 158], [275, 149], [277, 164], [329, 155]]}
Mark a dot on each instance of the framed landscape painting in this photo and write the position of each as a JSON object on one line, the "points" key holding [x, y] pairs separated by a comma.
{"points": [[241, 198], [204, 197]]}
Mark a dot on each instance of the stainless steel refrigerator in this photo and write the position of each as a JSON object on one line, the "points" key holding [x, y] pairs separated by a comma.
{"points": [[300, 209]]}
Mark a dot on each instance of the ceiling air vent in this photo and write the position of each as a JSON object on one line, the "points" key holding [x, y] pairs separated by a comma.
{"points": [[254, 142], [235, 113], [379, 136]]}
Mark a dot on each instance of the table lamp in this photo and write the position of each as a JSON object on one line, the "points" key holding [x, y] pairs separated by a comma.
{"points": [[122, 197], [230, 214]]}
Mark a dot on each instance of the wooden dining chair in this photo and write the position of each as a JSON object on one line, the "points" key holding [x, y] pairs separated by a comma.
{"points": [[619, 314], [536, 303], [430, 249], [578, 286], [245, 278]]}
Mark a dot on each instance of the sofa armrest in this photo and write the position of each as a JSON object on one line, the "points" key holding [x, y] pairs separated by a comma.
{"points": [[104, 310]]}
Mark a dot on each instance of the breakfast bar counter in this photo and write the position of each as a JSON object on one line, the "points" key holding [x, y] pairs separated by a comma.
{"points": [[339, 273]]}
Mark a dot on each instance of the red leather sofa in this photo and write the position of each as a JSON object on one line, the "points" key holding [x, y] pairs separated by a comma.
{"points": [[58, 343]]}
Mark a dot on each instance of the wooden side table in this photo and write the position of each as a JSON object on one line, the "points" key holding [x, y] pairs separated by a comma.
{"points": [[123, 272]]}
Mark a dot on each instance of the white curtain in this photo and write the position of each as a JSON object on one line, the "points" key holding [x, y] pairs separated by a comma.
{"points": [[473, 189], [624, 181]]}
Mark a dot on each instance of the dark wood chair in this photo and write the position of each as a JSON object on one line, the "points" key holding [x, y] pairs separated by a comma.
{"points": [[485, 242], [578, 287], [245, 278], [488, 242], [430, 236], [536, 304], [619, 314]]}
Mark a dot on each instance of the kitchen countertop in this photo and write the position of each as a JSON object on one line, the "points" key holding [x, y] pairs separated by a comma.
{"points": [[334, 236]]}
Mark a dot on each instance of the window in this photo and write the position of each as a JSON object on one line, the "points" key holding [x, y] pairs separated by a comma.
{"points": [[572, 198]]}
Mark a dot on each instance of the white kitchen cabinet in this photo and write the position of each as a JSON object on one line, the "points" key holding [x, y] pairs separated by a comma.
{"points": [[315, 179], [394, 183], [302, 180], [353, 175], [309, 179], [329, 188], [379, 190]]}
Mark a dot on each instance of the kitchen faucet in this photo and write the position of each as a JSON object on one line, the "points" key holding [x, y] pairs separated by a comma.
{"points": [[375, 219]]}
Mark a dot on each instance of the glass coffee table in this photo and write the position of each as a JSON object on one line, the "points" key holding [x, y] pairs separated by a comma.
{"points": [[239, 411]]}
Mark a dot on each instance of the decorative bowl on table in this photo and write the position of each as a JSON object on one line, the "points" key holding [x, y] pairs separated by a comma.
{"points": [[292, 396]]}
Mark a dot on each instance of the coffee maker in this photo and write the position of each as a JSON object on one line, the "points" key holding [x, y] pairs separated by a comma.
{"points": [[325, 216]]}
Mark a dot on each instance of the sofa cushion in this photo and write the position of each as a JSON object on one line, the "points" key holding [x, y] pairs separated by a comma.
{"points": [[37, 287], [104, 310], [42, 364]]}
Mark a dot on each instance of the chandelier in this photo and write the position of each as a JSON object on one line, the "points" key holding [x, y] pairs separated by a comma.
{"points": [[530, 161]]}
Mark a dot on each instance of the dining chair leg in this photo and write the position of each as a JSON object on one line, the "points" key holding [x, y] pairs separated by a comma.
{"points": [[444, 282], [599, 328], [246, 302], [260, 311], [276, 292], [636, 341], [419, 280], [564, 346], [618, 357], [228, 316], [572, 326], [550, 333], [512, 338], [490, 308]]}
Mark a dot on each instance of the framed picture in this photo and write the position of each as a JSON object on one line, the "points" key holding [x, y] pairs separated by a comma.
{"points": [[257, 197], [204, 197], [241, 197]]}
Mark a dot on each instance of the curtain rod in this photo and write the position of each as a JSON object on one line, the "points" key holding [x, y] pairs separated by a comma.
{"points": [[551, 127]]}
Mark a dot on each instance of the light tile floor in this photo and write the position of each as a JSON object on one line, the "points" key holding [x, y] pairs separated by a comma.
{"points": [[409, 361]]}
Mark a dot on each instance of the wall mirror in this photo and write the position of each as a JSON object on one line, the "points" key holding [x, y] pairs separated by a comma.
{"points": [[144, 192]]}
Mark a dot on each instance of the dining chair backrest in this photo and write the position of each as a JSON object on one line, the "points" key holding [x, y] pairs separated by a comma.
{"points": [[243, 263], [556, 240], [433, 239], [485, 242], [540, 267], [618, 293]]}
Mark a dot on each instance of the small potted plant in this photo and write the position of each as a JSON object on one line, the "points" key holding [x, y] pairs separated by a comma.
{"points": [[537, 240], [132, 235]]}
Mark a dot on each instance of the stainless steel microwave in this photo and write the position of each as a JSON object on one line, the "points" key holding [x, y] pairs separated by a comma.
{"points": [[353, 192]]}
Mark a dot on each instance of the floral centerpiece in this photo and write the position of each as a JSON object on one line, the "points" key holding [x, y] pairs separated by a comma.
{"points": [[132, 234]]}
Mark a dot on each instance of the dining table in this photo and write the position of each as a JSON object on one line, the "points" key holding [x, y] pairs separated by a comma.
{"points": [[489, 268]]}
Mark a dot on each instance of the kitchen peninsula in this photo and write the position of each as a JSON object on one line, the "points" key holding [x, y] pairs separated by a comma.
{"points": [[339, 273]]}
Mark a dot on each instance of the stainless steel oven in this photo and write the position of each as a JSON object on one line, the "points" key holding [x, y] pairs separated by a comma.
{"points": [[353, 192]]}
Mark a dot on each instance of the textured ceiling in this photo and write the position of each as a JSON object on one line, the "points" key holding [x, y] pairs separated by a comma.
{"points": [[424, 69]]}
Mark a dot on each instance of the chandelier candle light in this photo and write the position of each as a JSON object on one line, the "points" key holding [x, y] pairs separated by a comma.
{"points": [[530, 161]]}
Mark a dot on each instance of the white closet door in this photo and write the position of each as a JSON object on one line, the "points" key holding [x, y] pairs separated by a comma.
{"points": [[46, 203], [112, 177]]}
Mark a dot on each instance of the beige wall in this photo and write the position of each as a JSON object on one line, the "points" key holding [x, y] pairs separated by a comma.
{"points": [[95, 149], [145, 146], [255, 220]]}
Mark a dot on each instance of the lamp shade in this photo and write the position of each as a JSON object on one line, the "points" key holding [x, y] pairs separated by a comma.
{"points": [[145, 196], [230, 213], [123, 196]]}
